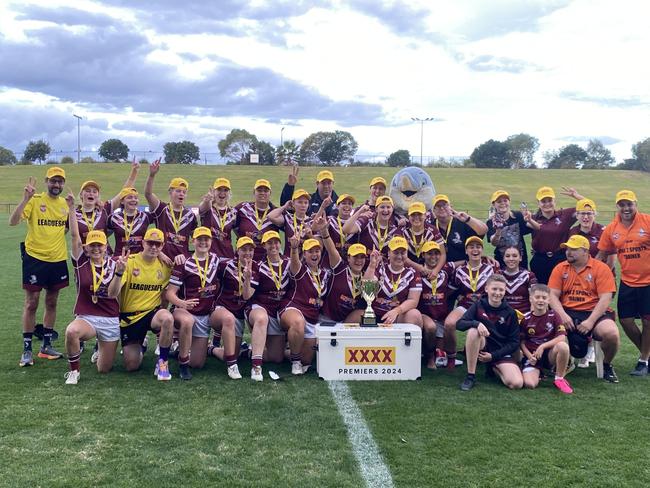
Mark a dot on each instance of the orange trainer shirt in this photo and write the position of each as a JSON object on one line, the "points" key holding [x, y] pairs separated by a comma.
{"points": [[580, 290], [632, 247]]}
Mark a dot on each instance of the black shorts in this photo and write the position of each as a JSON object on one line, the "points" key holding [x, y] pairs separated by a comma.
{"points": [[135, 332], [578, 343], [39, 274], [543, 363], [633, 302], [542, 264]]}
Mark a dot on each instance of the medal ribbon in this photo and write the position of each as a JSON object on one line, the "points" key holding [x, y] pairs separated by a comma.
{"points": [[260, 221], [381, 239], [315, 279], [128, 229], [473, 280], [97, 279], [446, 234], [176, 223], [277, 278], [90, 222], [417, 246], [395, 283], [240, 279], [222, 218], [341, 234], [203, 272], [356, 286], [296, 229]]}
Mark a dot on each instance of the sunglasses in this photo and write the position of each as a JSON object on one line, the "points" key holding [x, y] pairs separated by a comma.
{"points": [[154, 243]]}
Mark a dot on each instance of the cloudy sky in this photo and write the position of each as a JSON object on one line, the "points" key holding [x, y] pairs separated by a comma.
{"points": [[563, 71]]}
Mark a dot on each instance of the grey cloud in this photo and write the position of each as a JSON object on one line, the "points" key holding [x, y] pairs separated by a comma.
{"points": [[493, 63], [616, 102], [101, 124], [606, 140], [135, 126]]}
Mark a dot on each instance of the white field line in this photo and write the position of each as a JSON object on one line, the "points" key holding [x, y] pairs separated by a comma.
{"points": [[373, 469]]}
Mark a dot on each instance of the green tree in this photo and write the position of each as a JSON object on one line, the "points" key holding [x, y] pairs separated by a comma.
{"points": [[113, 150], [598, 156], [7, 157], [491, 154], [237, 146], [265, 151], [568, 157], [521, 150], [288, 153], [401, 157], [184, 152], [37, 151], [641, 153], [328, 147]]}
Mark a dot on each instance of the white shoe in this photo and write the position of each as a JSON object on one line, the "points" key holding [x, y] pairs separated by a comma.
{"points": [[174, 347], [94, 357], [256, 373], [233, 372], [72, 377], [571, 366], [458, 362], [306, 368], [583, 363], [296, 368], [591, 354]]}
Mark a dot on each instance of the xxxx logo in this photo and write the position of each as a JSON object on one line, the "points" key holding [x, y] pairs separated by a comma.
{"points": [[370, 355]]}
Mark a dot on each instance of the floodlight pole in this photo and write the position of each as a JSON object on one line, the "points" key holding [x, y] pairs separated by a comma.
{"points": [[281, 139], [422, 121], [78, 117]]}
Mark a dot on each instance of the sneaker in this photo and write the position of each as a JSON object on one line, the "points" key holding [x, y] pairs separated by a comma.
{"points": [[583, 363], [144, 345], [26, 359], [185, 372], [233, 372], [441, 358], [591, 353], [162, 370], [48, 352], [563, 385], [243, 350], [94, 356], [306, 368], [72, 377], [468, 383], [609, 375], [82, 346], [296, 368], [641, 369], [256, 373], [173, 349], [571, 366]]}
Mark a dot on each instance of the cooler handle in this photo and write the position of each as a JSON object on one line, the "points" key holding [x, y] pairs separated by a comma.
{"points": [[407, 338], [333, 339]]}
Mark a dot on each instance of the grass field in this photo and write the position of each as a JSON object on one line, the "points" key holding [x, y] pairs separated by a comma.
{"points": [[127, 429]]}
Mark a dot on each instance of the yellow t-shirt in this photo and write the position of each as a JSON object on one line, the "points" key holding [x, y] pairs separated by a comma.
{"points": [[142, 286], [46, 218]]}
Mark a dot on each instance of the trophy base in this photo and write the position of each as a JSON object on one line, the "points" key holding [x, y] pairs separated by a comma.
{"points": [[369, 321]]}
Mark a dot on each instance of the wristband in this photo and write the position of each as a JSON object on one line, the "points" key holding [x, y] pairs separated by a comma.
{"points": [[119, 275], [325, 236], [468, 219]]}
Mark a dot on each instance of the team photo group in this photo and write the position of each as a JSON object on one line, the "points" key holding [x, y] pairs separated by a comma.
{"points": [[201, 278]]}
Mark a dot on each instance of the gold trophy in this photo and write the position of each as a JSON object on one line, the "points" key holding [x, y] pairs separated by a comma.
{"points": [[369, 290]]}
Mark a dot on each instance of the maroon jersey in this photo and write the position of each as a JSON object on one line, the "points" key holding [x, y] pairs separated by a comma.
{"points": [[177, 227], [129, 230], [274, 287], [230, 295], [95, 220], [291, 226], [253, 223], [434, 303], [553, 231], [593, 236], [471, 283], [198, 279], [374, 237], [394, 287], [221, 223], [309, 289], [344, 293], [517, 286], [539, 329], [415, 241], [83, 274]]}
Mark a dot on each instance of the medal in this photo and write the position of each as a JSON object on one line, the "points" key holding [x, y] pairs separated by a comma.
{"points": [[277, 278], [94, 298], [417, 246], [97, 280], [297, 230], [473, 279], [90, 222], [176, 223], [315, 280], [395, 283], [259, 221], [381, 239]]}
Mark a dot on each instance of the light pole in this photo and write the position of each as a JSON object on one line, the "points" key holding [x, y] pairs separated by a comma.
{"points": [[281, 139], [78, 117], [422, 121]]}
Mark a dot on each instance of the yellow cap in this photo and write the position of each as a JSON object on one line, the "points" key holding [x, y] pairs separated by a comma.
{"points": [[343, 197], [262, 183], [55, 171], [324, 175], [545, 192], [154, 234], [357, 249], [626, 195], [440, 198], [417, 207], [576, 242], [430, 246], [397, 242], [300, 193], [242, 241], [221, 182], [377, 180], [473, 239], [88, 183], [270, 234], [310, 244], [179, 183], [96, 237], [498, 194], [201, 231], [585, 205], [125, 192], [383, 199]]}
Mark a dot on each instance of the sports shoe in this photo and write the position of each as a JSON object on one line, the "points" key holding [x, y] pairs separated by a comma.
{"points": [[162, 372], [94, 356], [306, 368], [468, 383], [609, 375], [72, 377], [173, 349], [256, 373], [571, 366], [563, 385], [243, 350], [641, 369], [82, 346], [583, 363], [296, 368], [233, 372], [185, 372], [26, 359], [48, 352], [441, 358]]}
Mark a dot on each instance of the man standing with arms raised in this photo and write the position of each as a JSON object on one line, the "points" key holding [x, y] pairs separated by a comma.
{"points": [[324, 189], [44, 255]]}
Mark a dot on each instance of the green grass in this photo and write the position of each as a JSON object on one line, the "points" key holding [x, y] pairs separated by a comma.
{"points": [[127, 429]]}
